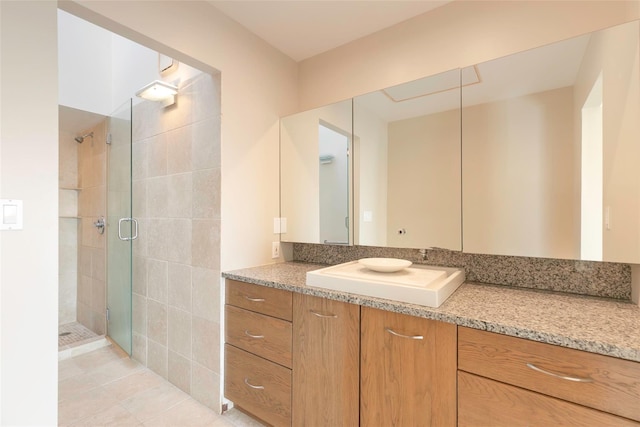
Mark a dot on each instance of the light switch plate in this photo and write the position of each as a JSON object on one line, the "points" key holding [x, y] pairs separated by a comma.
{"points": [[10, 214]]}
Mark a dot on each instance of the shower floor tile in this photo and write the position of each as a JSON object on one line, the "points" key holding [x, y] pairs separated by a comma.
{"points": [[74, 334]]}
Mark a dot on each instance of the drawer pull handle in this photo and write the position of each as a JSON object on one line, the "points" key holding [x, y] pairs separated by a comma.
{"points": [[564, 377], [250, 335], [411, 337], [256, 387], [332, 316], [254, 299]]}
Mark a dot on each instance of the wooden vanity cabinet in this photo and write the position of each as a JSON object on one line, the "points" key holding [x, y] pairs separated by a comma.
{"points": [[258, 344], [407, 371], [326, 352], [510, 381]]}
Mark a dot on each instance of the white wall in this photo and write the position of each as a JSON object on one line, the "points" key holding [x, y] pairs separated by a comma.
{"points": [[85, 65], [29, 171]]}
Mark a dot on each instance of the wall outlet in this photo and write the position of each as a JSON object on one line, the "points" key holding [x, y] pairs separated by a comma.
{"points": [[275, 250]]}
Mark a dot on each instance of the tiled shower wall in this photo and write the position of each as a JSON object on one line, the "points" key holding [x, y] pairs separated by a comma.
{"points": [[92, 196], [176, 199], [68, 223]]}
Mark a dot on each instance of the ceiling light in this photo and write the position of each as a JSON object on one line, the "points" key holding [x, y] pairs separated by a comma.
{"points": [[159, 91]]}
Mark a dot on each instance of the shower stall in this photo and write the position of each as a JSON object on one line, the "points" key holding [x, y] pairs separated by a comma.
{"points": [[96, 228]]}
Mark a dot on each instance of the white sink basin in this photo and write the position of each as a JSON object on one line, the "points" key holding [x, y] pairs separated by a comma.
{"points": [[419, 284]]}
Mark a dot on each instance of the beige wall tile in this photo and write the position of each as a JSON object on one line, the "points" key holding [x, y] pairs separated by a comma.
{"points": [[139, 284], [206, 343], [158, 197], [146, 121], [140, 245], [180, 286], [179, 240], [98, 264], [179, 195], [180, 372], [206, 194], [139, 198], [85, 289], [206, 97], [157, 358], [98, 296], [180, 331], [179, 150], [156, 234], [98, 323], [205, 386], [139, 347], [139, 314], [139, 160], [157, 322], [206, 244], [157, 280], [206, 294], [179, 114], [157, 156], [205, 144]]}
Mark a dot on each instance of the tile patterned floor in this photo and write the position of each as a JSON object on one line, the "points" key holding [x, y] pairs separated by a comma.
{"points": [[107, 388], [71, 334]]}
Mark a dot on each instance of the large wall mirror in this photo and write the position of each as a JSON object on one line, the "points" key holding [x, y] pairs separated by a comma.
{"points": [[551, 145], [407, 164], [315, 175]]}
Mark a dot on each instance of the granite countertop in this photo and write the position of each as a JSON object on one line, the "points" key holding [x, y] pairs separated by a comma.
{"points": [[604, 326]]}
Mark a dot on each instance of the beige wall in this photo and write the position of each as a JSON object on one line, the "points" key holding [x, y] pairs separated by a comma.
{"points": [[458, 34], [176, 263], [424, 182], [29, 172], [518, 176]]}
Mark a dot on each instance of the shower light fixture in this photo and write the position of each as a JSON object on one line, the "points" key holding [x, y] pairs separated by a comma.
{"points": [[159, 91]]}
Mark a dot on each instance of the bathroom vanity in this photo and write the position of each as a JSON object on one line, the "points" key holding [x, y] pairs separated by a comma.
{"points": [[297, 355]]}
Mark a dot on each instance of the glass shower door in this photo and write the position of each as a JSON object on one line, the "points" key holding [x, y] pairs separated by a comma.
{"points": [[121, 227]]}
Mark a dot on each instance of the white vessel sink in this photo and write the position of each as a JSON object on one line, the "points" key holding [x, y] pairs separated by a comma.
{"points": [[419, 284]]}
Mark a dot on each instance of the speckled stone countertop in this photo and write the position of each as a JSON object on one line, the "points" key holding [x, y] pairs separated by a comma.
{"points": [[596, 325]]}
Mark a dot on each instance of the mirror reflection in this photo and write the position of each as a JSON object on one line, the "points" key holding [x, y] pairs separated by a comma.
{"points": [[550, 145], [407, 164], [315, 175]]}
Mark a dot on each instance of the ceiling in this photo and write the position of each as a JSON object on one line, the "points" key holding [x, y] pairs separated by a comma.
{"points": [[304, 28]]}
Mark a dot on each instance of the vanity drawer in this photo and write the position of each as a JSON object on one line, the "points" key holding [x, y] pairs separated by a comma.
{"points": [[484, 402], [600, 382], [262, 335], [258, 386], [261, 299]]}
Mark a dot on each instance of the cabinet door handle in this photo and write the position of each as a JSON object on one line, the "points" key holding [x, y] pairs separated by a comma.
{"points": [[250, 335], [411, 337], [254, 299], [256, 387], [332, 316], [563, 377]]}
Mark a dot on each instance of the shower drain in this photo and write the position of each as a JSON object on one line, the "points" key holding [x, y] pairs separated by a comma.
{"points": [[64, 334]]}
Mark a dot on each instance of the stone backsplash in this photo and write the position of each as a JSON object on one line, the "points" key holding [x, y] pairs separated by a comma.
{"points": [[602, 279]]}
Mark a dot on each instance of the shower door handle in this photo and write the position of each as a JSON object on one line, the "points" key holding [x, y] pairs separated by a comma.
{"points": [[135, 229]]}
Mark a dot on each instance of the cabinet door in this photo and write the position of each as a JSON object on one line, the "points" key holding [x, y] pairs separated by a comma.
{"points": [[408, 370], [325, 363]]}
